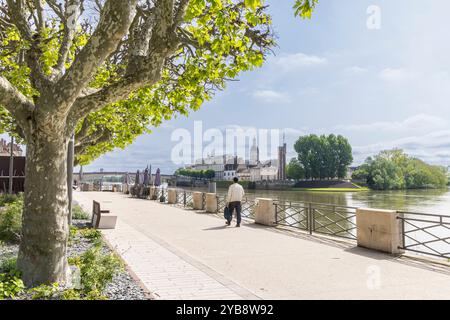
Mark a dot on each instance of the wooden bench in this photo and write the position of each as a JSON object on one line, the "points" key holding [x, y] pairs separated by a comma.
{"points": [[100, 220]]}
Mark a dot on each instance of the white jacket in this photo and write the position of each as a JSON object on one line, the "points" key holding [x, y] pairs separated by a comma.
{"points": [[235, 193]]}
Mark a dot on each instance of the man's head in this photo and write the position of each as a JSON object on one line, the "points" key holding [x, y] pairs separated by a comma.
{"points": [[235, 179]]}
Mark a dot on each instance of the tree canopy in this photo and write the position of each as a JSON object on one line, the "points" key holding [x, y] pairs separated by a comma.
{"points": [[324, 157], [294, 170], [106, 70], [199, 174], [218, 39], [394, 170]]}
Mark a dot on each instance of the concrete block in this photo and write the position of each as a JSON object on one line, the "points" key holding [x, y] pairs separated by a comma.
{"points": [[172, 196], [265, 212], [152, 193], [211, 203], [379, 230]]}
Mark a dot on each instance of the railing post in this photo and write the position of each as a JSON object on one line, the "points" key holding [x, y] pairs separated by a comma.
{"points": [[218, 203], [276, 212], [403, 231], [184, 198], [310, 218]]}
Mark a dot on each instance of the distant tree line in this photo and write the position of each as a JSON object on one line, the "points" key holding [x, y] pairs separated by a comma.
{"points": [[320, 157], [198, 174], [395, 170]]}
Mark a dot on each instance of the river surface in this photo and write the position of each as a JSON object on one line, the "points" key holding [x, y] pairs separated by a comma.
{"points": [[424, 201]]}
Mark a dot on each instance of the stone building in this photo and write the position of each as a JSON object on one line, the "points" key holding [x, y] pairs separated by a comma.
{"points": [[5, 149]]}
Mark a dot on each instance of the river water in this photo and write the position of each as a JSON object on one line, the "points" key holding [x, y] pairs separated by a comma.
{"points": [[426, 201], [434, 201]]}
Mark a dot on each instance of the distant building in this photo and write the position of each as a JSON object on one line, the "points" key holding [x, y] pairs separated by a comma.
{"points": [[282, 151], [254, 153], [5, 149], [227, 167], [230, 170], [243, 172]]}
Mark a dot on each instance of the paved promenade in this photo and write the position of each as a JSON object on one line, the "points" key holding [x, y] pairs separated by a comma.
{"points": [[181, 254]]}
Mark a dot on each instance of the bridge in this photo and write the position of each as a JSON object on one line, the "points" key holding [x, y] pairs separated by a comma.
{"points": [[112, 176]]}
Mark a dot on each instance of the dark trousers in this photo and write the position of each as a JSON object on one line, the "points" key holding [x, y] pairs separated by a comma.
{"points": [[235, 205]]}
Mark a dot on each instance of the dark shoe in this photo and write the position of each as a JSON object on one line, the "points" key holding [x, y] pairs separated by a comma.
{"points": [[238, 225], [227, 223]]}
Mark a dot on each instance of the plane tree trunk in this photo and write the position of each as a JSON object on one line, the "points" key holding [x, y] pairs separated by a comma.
{"points": [[42, 254]]}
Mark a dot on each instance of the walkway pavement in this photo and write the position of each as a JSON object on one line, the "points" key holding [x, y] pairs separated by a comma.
{"points": [[181, 254]]}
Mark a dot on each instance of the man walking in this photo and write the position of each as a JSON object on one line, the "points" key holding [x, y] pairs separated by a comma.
{"points": [[234, 199]]}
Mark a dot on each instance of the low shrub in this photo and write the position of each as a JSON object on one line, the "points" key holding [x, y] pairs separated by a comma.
{"points": [[11, 221], [92, 234], [11, 284], [8, 198], [45, 292], [97, 269], [79, 214], [9, 266]]}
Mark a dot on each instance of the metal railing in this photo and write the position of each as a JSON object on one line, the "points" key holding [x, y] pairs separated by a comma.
{"points": [[221, 202], [425, 233], [333, 220], [188, 199], [248, 208], [290, 215]]}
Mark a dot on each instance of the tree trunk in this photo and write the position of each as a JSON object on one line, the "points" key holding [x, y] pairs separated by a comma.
{"points": [[42, 255]]}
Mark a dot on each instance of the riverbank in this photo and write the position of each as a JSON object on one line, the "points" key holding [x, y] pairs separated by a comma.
{"points": [[360, 189]]}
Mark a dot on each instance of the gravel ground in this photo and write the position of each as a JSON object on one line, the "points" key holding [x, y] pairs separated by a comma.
{"points": [[123, 286]]}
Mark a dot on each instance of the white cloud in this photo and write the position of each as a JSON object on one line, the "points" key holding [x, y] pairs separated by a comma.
{"points": [[417, 123], [270, 96], [433, 147], [393, 75], [356, 70], [289, 62]]}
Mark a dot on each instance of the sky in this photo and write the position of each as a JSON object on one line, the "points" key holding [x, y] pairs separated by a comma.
{"points": [[377, 72]]}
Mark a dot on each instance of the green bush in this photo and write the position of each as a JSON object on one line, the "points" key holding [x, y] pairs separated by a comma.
{"points": [[92, 234], [10, 282], [9, 266], [10, 286], [8, 198], [97, 269], [45, 292], [11, 221], [79, 214]]}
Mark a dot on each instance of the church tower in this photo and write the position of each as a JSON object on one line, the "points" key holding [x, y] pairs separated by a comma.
{"points": [[254, 153]]}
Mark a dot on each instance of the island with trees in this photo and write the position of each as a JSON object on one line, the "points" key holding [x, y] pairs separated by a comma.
{"points": [[395, 170], [322, 163]]}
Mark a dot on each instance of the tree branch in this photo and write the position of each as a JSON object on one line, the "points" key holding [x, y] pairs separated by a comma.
{"points": [[114, 23], [162, 44], [69, 19], [15, 102]]}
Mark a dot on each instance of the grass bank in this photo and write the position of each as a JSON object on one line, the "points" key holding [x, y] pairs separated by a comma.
{"points": [[361, 189]]}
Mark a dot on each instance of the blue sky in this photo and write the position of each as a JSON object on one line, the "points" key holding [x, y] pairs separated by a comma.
{"points": [[381, 88]]}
